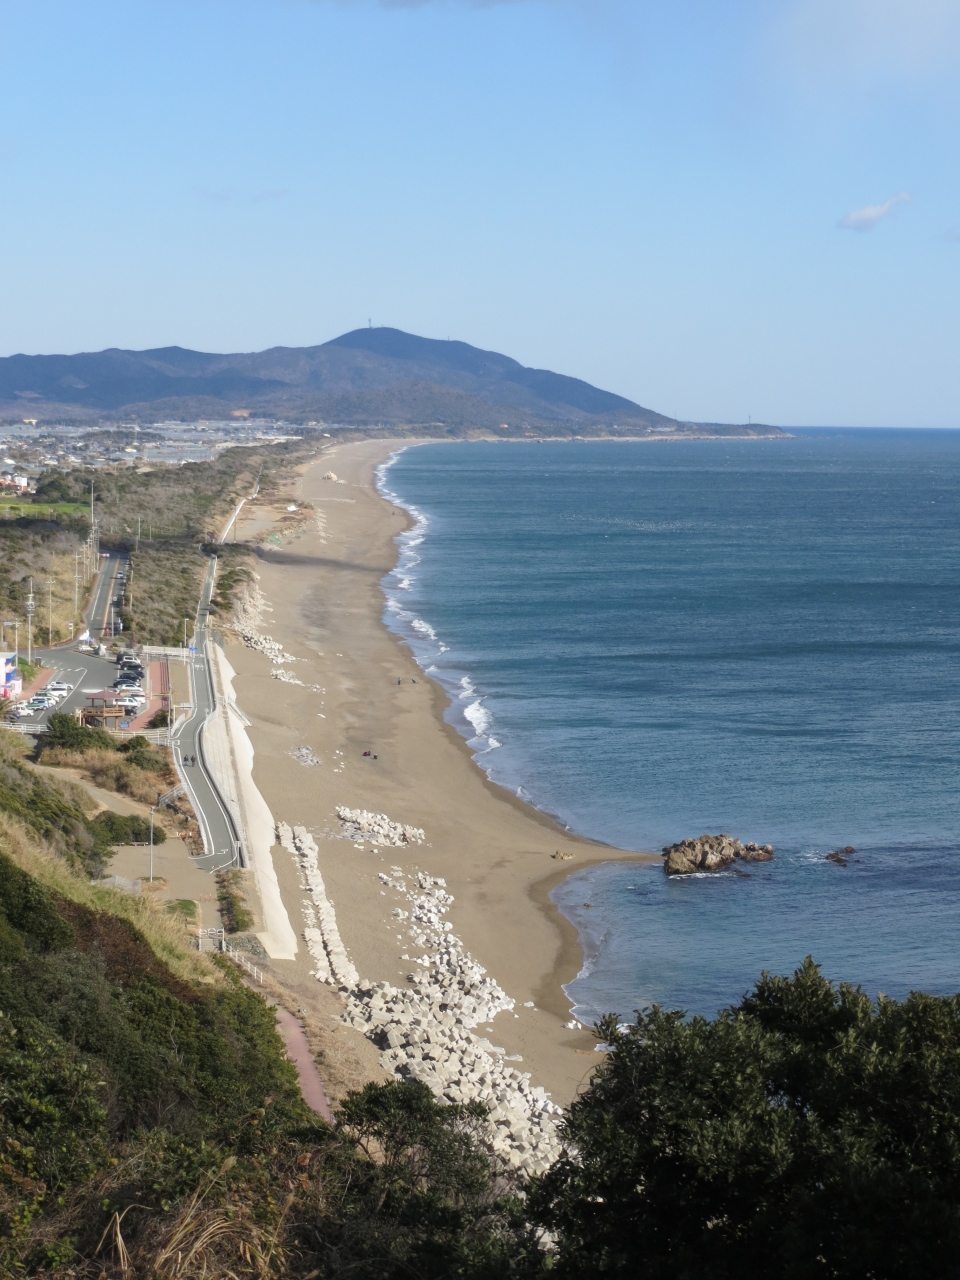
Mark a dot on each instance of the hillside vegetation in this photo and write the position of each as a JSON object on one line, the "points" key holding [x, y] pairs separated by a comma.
{"points": [[151, 1127]]}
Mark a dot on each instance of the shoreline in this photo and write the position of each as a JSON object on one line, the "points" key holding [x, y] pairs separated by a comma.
{"points": [[352, 685]]}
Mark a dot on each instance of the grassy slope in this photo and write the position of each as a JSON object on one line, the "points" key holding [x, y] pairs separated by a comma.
{"points": [[151, 1126]]}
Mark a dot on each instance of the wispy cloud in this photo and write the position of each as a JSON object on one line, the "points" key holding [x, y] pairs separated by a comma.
{"points": [[866, 219]]}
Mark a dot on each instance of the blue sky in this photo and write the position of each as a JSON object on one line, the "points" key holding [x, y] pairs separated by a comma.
{"points": [[720, 208]]}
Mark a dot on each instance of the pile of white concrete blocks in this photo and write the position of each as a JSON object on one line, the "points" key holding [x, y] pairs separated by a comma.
{"points": [[321, 933], [377, 828]]}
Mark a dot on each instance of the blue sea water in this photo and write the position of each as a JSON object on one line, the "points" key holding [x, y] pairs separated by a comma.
{"points": [[656, 640]]}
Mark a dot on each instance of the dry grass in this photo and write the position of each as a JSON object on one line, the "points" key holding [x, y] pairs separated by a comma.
{"points": [[113, 772], [168, 935]]}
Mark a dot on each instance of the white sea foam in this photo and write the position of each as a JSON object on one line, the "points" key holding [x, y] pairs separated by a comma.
{"points": [[479, 717], [422, 637]]}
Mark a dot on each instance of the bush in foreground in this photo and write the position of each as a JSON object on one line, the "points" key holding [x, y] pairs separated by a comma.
{"points": [[806, 1132]]}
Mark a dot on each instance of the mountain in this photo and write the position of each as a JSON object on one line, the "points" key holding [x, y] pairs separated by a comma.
{"points": [[370, 377]]}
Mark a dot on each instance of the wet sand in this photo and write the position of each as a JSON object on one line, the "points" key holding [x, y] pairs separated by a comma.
{"points": [[493, 850]]}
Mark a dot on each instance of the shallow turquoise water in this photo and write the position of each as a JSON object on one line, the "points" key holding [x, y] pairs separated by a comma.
{"points": [[656, 640]]}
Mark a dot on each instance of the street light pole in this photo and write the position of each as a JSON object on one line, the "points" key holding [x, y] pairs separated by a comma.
{"points": [[152, 807], [49, 611], [30, 610]]}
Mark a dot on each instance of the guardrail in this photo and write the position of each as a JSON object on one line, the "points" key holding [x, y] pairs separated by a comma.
{"points": [[236, 956]]}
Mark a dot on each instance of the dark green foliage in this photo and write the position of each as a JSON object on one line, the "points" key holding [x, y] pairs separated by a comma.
{"points": [[67, 733], [121, 828], [52, 1131], [419, 1198], [806, 1132], [159, 720], [139, 752], [28, 910]]}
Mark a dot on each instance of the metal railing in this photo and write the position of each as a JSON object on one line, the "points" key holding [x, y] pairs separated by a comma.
{"points": [[236, 956]]}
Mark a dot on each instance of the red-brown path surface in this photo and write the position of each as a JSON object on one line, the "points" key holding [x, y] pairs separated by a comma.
{"points": [[159, 684], [298, 1051]]}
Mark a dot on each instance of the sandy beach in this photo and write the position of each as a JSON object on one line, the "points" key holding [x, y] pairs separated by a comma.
{"points": [[360, 690]]}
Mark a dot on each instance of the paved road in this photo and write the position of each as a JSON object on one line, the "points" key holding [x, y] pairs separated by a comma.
{"points": [[100, 615], [219, 831], [86, 672]]}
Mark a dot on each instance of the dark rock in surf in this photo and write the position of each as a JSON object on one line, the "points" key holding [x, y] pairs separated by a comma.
{"points": [[711, 853]]}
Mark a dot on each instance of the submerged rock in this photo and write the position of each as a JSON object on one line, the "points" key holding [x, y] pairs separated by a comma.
{"points": [[711, 853]]}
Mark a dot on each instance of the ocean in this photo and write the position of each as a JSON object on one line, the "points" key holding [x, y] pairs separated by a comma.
{"points": [[656, 640]]}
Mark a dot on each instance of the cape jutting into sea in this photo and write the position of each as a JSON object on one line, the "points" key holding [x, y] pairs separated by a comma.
{"points": [[657, 640]]}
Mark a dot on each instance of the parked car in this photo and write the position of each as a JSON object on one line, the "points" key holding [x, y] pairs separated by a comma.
{"points": [[57, 686], [129, 704]]}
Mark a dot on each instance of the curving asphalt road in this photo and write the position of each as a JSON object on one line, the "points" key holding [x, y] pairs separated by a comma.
{"points": [[220, 837]]}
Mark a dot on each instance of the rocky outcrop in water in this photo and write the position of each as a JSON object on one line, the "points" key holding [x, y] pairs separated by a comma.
{"points": [[711, 853]]}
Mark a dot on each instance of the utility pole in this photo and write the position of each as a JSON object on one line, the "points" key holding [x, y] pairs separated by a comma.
{"points": [[137, 548], [30, 610], [76, 582], [49, 611]]}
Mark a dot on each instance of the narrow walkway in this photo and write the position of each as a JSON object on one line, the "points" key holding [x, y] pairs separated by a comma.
{"points": [[298, 1051]]}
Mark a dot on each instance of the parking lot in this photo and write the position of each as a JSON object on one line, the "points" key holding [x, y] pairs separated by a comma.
{"points": [[83, 673]]}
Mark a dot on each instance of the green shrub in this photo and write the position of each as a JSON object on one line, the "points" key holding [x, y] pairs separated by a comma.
{"points": [[121, 828], [68, 734], [805, 1132], [140, 753]]}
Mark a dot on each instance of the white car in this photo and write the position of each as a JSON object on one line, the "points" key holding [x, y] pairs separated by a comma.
{"points": [[58, 687]]}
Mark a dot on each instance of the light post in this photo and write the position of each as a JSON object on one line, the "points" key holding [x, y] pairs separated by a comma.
{"points": [[49, 611], [152, 807], [30, 611]]}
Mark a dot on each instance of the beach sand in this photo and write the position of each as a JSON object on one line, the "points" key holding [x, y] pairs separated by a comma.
{"points": [[494, 851]]}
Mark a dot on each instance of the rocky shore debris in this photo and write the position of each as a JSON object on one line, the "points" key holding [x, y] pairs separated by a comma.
{"points": [[247, 619], [424, 1030], [841, 856], [306, 756], [377, 828], [711, 853], [321, 933]]}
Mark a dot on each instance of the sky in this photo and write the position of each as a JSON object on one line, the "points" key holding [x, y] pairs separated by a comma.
{"points": [[723, 209]]}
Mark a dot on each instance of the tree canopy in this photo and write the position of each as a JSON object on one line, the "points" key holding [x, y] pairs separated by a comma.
{"points": [[806, 1132]]}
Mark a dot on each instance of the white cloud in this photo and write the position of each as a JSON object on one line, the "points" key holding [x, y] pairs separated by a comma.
{"points": [[866, 219]]}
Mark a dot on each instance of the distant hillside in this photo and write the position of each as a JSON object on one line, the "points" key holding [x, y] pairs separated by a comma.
{"points": [[370, 377]]}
